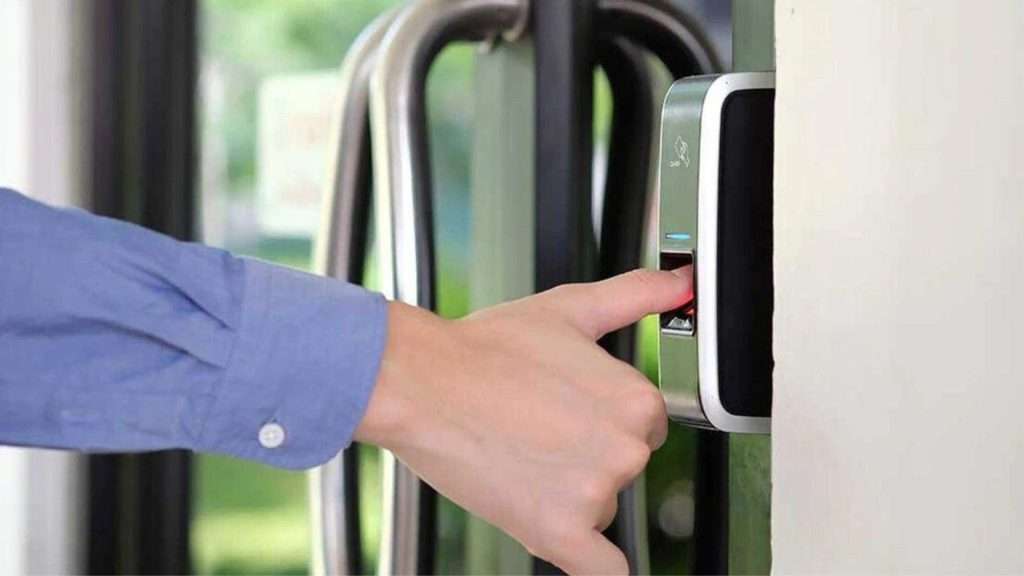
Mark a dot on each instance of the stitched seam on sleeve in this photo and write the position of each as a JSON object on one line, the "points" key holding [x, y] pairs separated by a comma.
{"points": [[218, 387]]}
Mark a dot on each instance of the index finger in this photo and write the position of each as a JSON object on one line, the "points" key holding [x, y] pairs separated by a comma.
{"points": [[619, 301]]}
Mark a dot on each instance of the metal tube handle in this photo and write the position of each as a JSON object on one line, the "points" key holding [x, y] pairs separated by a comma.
{"points": [[402, 192], [341, 253]]}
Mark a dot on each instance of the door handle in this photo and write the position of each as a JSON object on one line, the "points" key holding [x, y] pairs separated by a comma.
{"points": [[341, 253], [404, 226]]}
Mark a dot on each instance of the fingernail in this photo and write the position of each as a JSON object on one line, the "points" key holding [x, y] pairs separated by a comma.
{"points": [[683, 271]]}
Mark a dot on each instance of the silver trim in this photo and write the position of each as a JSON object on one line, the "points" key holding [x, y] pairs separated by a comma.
{"points": [[411, 42], [707, 250], [350, 120], [328, 509]]}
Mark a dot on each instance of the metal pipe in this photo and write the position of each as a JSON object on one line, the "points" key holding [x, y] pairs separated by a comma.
{"points": [[341, 249], [402, 192], [564, 245], [341, 253], [662, 28]]}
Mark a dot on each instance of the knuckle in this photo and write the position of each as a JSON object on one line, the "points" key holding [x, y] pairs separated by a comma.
{"points": [[634, 459], [564, 291], [648, 404], [543, 542], [608, 515], [644, 276], [561, 539], [595, 491], [558, 292]]}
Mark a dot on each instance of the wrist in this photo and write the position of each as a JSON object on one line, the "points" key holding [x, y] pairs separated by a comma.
{"points": [[392, 414]]}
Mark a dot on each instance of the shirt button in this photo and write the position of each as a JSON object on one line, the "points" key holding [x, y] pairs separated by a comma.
{"points": [[271, 435]]}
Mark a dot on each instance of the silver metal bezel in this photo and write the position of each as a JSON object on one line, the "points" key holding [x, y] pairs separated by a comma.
{"points": [[707, 250]]}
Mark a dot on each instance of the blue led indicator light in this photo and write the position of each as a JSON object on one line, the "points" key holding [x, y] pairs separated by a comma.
{"points": [[677, 236]]}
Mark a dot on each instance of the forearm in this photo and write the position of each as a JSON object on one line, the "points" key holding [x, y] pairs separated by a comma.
{"points": [[115, 338]]}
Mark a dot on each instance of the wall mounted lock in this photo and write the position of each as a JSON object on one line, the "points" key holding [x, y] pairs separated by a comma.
{"points": [[715, 353]]}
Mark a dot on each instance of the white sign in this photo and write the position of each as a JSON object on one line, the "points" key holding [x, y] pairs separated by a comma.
{"points": [[295, 113]]}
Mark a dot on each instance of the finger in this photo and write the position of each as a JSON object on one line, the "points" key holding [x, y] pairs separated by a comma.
{"points": [[659, 431], [608, 305], [611, 508], [594, 554], [642, 406], [655, 413]]}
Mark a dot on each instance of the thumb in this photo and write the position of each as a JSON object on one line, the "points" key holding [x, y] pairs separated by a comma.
{"points": [[605, 306]]}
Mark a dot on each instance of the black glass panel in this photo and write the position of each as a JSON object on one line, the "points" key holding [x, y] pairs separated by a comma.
{"points": [[745, 288]]}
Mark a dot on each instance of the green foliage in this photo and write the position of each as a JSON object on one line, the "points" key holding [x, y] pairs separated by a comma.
{"points": [[248, 40], [249, 518]]}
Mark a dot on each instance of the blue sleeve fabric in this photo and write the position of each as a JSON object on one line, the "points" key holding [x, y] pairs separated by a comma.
{"points": [[115, 338]]}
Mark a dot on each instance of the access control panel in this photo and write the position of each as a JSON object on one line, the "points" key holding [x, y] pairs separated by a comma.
{"points": [[715, 353]]}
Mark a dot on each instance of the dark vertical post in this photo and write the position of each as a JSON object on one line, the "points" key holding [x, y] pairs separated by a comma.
{"points": [[626, 184], [711, 504], [104, 480], [564, 70], [564, 61], [143, 64]]}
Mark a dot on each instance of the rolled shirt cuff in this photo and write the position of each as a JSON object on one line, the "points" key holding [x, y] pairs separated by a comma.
{"points": [[303, 367]]}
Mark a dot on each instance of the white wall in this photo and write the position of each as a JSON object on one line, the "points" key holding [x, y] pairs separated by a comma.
{"points": [[14, 26], [13, 172], [41, 154], [899, 401]]}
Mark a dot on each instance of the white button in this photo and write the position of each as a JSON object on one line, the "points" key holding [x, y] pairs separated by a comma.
{"points": [[271, 435]]}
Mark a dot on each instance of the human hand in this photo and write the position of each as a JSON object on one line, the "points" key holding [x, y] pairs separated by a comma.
{"points": [[516, 414]]}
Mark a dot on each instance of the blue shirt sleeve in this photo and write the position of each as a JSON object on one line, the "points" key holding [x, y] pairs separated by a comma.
{"points": [[115, 338]]}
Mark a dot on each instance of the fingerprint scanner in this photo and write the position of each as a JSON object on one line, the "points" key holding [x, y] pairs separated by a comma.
{"points": [[680, 321]]}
